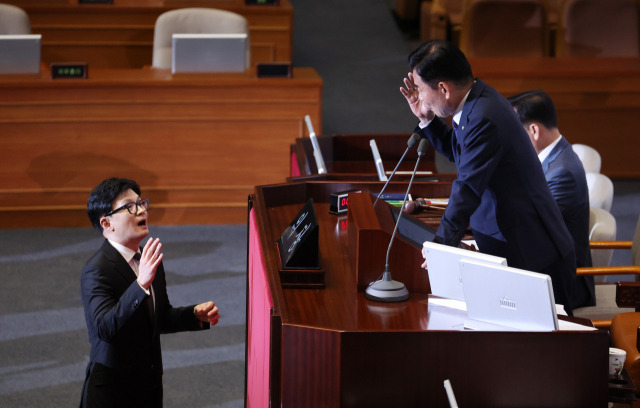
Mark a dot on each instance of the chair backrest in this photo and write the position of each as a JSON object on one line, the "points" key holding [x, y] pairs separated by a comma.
{"points": [[599, 28], [600, 191], [602, 227], [13, 20], [193, 21], [504, 28], [589, 157]]}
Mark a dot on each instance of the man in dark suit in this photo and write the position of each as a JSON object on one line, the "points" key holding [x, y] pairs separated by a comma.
{"points": [[565, 176], [126, 305], [500, 190]]}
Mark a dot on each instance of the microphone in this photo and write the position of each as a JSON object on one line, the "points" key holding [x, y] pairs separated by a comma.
{"points": [[413, 139], [387, 289], [317, 153]]}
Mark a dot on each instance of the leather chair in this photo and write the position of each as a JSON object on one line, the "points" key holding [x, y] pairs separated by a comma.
{"points": [[600, 191], [602, 227], [13, 20], [625, 328], [505, 28], [193, 21], [599, 28], [632, 269], [590, 158]]}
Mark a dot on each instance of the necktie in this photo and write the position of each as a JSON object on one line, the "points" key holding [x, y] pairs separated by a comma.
{"points": [[149, 300]]}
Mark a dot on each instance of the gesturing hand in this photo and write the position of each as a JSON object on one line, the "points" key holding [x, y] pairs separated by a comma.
{"points": [[412, 95], [207, 312], [149, 261]]}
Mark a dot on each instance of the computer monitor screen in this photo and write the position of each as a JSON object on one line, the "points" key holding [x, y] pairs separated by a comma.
{"points": [[209, 53], [20, 54], [412, 229], [443, 267]]}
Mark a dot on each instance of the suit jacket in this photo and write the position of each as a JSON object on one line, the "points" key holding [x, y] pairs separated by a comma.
{"points": [[566, 179], [125, 342], [501, 191]]}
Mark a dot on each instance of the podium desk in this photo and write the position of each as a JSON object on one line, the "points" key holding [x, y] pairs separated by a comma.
{"points": [[196, 143], [332, 347], [597, 100], [120, 35], [351, 154]]}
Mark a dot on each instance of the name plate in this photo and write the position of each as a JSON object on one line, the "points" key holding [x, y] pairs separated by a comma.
{"points": [[298, 244], [69, 70]]}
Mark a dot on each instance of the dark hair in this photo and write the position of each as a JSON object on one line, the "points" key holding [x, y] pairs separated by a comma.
{"points": [[104, 194], [535, 106], [438, 60]]}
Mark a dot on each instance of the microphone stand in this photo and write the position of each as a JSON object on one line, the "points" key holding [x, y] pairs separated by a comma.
{"points": [[412, 141], [386, 289]]}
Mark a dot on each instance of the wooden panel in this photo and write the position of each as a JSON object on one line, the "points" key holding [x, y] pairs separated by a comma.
{"points": [[597, 100], [336, 348], [206, 134], [120, 35]]}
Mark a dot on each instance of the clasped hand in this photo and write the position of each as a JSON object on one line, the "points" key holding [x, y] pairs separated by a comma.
{"points": [[207, 312], [149, 261]]}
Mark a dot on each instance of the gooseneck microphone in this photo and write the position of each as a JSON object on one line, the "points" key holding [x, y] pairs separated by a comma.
{"points": [[413, 139], [386, 289]]}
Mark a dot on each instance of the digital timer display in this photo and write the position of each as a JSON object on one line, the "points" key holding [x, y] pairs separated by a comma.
{"points": [[339, 203]]}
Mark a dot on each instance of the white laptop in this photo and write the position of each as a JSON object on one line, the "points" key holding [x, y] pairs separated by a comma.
{"points": [[209, 53], [20, 54], [443, 267], [506, 299]]}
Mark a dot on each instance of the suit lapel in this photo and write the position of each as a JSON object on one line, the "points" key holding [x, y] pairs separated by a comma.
{"points": [[121, 266]]}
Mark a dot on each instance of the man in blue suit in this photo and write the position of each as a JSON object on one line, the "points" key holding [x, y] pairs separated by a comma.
{"points": [[500, 190], [565, 176], [126, 306]]}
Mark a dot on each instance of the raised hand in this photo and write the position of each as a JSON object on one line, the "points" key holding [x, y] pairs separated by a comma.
{"points": [[149, 261]]}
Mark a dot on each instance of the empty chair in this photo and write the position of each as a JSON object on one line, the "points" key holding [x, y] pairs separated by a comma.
{"points": [[504, 28], [589, 157], [193, 21], [602, 227], [605, 307], [13, 20], [598, 28], [600, 191]]}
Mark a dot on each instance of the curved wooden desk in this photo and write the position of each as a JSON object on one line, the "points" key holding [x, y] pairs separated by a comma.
{"points": [[332, 347], [196, 143]]}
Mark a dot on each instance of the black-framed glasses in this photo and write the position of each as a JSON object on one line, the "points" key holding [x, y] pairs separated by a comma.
{"points": [[132, 207]]}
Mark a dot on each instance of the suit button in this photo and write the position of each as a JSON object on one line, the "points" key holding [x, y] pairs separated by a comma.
{"points": [[135, 303]]}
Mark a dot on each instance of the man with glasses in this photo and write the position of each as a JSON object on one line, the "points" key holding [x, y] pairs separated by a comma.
{"points": [[126, 305]]}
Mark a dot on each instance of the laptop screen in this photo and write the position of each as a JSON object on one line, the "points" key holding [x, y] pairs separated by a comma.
{"points": [[20, 54], [209, 53]]}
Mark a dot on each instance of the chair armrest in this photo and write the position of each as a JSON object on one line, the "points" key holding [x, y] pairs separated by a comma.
{"points": [[608, 270], [628, 294], [610, 244]]}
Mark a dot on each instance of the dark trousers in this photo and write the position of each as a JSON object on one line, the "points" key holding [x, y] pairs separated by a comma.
{"points": [[121, 388]]}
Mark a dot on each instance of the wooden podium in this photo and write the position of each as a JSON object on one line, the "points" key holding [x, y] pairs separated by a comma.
{"points": [[332, 347]]}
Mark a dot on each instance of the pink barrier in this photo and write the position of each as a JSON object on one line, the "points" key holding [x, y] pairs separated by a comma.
{"points": [[259, 328]]}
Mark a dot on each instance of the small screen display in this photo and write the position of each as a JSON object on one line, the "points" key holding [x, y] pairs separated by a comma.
{"points": [[413, 230]]}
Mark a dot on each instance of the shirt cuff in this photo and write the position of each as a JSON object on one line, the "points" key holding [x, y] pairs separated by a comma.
{"points": [[147, 291]]}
